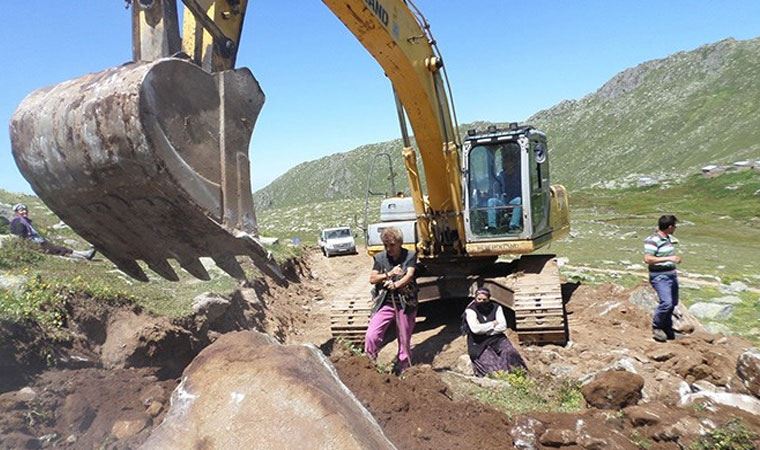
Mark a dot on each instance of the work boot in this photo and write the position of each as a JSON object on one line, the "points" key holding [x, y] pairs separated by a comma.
{"points": [[659, 335]]}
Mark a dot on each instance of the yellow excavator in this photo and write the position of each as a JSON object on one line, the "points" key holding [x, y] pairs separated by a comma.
{"points": [[149, 161]]}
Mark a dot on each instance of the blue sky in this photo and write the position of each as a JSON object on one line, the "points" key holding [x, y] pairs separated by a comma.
{"points": [[506, 60]]}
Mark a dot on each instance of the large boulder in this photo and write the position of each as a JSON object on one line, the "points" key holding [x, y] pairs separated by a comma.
{"points": [[748, 369], [613, 390], [247, 391]]}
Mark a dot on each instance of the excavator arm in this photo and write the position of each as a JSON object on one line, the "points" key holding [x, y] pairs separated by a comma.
{"points": [[399, 39], [149, 161]]}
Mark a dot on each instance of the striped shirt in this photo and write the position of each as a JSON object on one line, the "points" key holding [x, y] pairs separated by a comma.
{"points": [[659, 246]]}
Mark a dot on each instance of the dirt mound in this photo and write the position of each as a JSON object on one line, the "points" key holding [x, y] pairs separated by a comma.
{"points": [[85, 408], [78, 404], [419, 411]]}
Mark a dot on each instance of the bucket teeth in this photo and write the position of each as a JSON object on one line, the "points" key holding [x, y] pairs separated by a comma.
{"points": [[270, 268], [129, 266], [163, 268], [230, 265], [195, 268], [148, 161]]}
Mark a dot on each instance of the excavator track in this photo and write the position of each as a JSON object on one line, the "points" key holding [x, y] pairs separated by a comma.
{"points": [[349, 318], [538, 306]]}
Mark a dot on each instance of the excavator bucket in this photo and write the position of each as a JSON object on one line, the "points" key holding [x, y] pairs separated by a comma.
{"points": [[149, 161]]}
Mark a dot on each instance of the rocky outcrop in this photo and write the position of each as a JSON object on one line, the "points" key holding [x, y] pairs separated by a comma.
{"points": [[247, 391]]}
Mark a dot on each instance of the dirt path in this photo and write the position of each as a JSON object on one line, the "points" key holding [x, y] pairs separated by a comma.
{"points": [[436, 340]]}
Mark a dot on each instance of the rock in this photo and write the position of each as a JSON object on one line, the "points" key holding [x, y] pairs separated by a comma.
{"points": [[268, 240], [717, 328], [26, 394], [704, 385], [154, 408], [558, 438], [613, 390], [627, 364], [686, 426], [644, 298], [727, 300], [748, 370], [640, 416], [271, 395], [661, 354], [211, 305], [683, 321], [744, 402], [525, 433], [13, 283], [60, 226], [139, 341], [711, 311], [733, 288], [464, 365], [126, 428]]}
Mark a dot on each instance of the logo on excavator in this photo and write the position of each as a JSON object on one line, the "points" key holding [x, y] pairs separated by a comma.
{"points": [[378, 9]]}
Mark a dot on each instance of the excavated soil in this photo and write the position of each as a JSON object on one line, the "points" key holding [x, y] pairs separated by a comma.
{"points": [[93, 387]]}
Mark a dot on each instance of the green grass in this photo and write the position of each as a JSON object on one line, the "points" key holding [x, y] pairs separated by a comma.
{"points": [[521, 393], [731, 436], [719, 230]]}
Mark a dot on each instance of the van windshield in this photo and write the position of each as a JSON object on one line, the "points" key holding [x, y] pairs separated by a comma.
{"points": [[336, 234]]}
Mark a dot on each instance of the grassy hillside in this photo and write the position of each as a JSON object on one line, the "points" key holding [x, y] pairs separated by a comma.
{"points": [[719, 225], [668, 116]]}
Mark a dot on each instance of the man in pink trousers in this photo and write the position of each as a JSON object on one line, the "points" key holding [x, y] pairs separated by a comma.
{"points": [[395, 294]]}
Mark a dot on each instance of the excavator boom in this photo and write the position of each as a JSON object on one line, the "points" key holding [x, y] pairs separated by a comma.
{"points": [[149, 161]]}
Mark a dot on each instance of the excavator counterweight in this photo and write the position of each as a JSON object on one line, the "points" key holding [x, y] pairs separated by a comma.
{"points": [[148, 161]]}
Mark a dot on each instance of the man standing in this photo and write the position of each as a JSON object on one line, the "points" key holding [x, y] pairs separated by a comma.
{"points": [[395, 293], [660, 255], [21, 225]]}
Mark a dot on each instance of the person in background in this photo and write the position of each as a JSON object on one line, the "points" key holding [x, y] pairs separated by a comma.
{"points": [[21, 226], [487, 345], [660, 256], [507, 190], [395, 295]]}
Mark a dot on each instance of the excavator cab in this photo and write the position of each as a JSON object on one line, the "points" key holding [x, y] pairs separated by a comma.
{"points": [[507, 184]]}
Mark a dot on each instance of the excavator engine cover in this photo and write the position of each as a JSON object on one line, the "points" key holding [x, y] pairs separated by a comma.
{"points": [[148, 161]]}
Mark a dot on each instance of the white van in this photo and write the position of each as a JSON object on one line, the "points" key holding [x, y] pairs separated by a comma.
{"points": [[335, 241]]}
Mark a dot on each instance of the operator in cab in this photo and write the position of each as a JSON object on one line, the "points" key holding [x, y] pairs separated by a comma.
{"points": [[395, 297], [507, 190]]}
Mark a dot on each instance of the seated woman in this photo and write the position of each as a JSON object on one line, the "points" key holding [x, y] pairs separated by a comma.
{"points": [[488, 347]]}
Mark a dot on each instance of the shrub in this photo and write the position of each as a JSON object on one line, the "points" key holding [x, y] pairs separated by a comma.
{"points": [[17, 253], [733, 435]]}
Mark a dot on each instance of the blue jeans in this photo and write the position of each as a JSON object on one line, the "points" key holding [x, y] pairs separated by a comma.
{"points": [[514, 221], [666, 285]]}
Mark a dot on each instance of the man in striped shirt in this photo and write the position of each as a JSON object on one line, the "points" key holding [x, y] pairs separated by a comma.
{"points": [[660, 255]]}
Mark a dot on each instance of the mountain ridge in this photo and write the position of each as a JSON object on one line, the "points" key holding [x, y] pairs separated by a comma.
{"points": [[665, 118]]}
